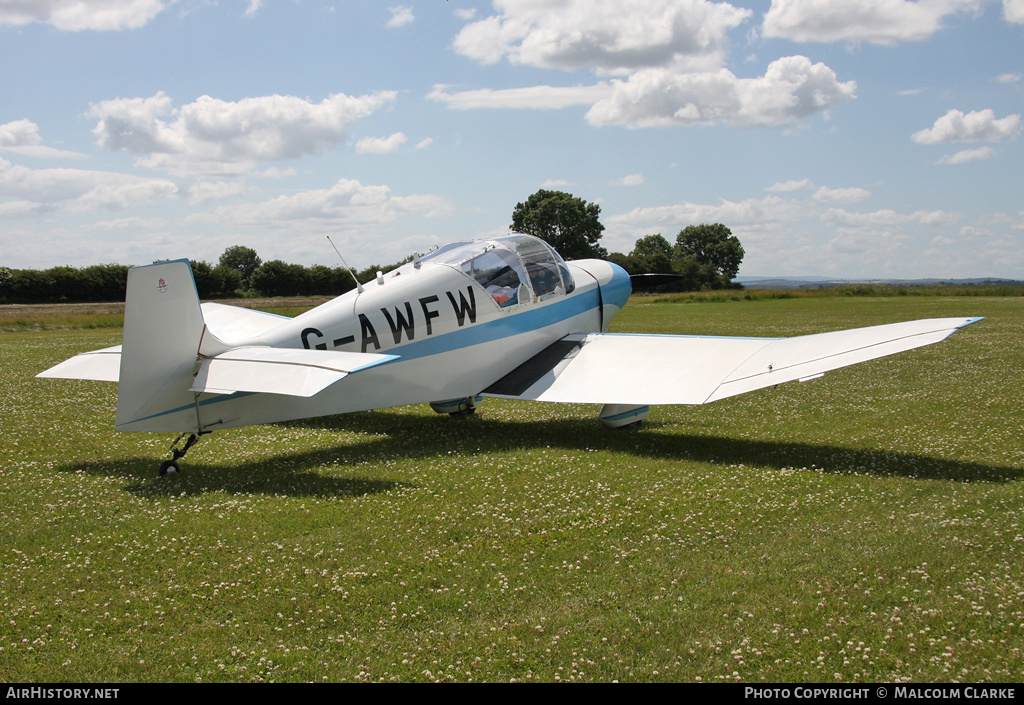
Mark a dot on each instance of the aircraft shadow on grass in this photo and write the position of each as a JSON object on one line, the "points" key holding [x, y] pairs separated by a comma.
{"points": [[393, 435]]}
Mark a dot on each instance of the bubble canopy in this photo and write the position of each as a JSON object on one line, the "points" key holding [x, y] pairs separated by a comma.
{"points": [[513, 269]]}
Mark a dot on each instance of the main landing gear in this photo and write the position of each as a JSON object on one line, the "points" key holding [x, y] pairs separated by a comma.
{"points": [[171, 467], [457, 407]]}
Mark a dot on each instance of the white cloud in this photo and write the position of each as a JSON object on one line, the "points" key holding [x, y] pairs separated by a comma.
{"points": [[789, 186], [556, 183], [531, 98], [276, 173], [40, 191], [203, 192], [348, 202], [1013, 11], [791, 89], [612, 36], [133, 223], [886, 218], [22, 137], [253, 8], [876, 245], [381, 145], [841, 195], [968, 155], [19, 133], [875, 21], [754, 211], [630, 180], [1008, 78], [973, 232], [79, 15], [424, 143], [670, 54], [976, 126], [212, 136], [400, 16]]}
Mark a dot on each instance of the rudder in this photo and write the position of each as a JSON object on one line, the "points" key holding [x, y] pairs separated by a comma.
{"points": [[163, 328]]}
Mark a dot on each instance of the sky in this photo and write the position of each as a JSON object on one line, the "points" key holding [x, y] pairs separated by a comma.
{"points": [[854, 140]]}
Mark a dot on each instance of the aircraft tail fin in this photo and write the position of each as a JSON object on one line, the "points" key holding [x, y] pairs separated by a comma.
{"points": [[163, 329], [170, 357]]}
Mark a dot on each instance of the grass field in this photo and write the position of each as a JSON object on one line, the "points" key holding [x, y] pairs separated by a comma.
{"points": [[861, 527]]}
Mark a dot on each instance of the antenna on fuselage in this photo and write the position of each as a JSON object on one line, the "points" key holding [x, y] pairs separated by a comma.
{"points": [[359, 287]]}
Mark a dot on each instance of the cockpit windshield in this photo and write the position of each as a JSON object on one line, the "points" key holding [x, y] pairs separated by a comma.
{"points": [[514, 269]]}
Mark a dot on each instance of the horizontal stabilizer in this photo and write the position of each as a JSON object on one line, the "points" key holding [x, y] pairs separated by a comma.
{"points": [[236, 324], [98, 365], [664, 369], [299, 373]]}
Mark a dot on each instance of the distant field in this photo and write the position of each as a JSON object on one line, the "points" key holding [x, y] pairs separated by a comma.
{"points": [[39, 317], [866, 526]]}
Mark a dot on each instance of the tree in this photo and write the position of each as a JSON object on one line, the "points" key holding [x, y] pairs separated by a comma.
{"points": [[5, 282], [567, 223], [652, 254], [215, 282], [242, 259], [713, 245], [277, 278]]}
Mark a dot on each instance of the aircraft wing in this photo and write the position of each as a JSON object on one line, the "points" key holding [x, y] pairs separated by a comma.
{"points": [[664, 369], [300, 373]]}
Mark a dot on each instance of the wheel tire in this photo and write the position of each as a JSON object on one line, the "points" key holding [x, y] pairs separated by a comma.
{"points": [[169, 467]]}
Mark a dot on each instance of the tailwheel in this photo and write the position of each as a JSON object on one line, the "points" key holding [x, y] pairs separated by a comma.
{"points": [[171, 467]]}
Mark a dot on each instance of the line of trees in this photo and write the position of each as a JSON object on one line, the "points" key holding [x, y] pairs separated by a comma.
{"points": [[99, 282], [702, 257], [229, 278]]}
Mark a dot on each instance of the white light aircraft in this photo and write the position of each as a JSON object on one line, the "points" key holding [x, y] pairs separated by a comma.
{"points": [[505, 317]]}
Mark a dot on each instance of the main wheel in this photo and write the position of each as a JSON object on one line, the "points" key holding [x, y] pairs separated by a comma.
{"points": [[169, 467]]}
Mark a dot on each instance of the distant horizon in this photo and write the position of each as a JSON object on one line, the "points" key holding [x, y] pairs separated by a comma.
{"points": [[816, 279], [742, 279]]}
